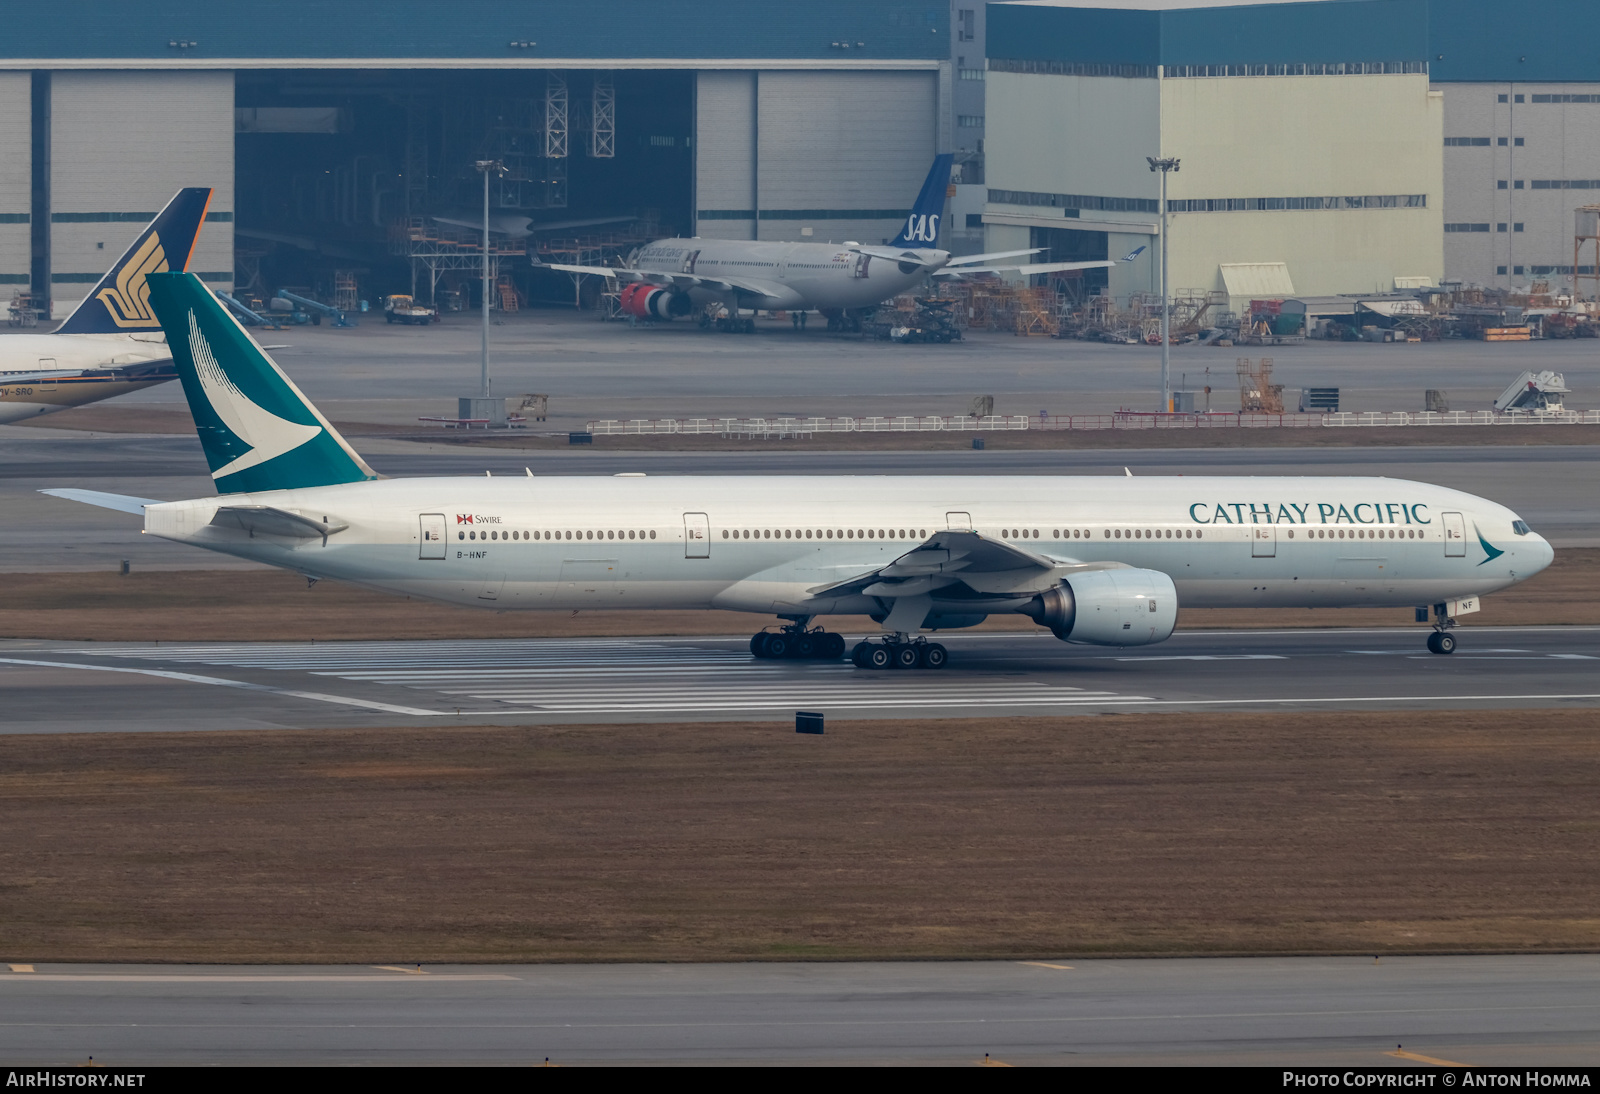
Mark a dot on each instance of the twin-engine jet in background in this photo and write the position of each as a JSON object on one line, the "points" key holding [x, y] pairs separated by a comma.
{"points": [[672, 278], [1106, 561], [112, 342]]}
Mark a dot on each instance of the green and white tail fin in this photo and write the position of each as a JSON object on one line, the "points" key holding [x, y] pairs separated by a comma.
{"points": [[258, 431]]}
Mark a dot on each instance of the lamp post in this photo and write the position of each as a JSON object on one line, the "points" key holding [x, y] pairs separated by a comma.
{"points": [[487, 167], [1165, 166]]}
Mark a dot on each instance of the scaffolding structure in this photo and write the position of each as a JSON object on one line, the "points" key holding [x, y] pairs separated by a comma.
{"points": [[603, 118], [441, 249], [1257, 393], [1586, 233]]}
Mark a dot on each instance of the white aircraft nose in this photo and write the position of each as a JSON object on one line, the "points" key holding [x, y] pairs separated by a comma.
{"points": [[1540, 554]]}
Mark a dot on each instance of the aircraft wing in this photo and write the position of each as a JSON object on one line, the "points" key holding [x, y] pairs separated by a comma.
{"points": [[972, 559], [770, 293], [148, 368], [968, 260], [1035, 268]]}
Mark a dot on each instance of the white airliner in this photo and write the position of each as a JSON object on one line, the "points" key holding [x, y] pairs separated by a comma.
{"points": [[112, 342], [1106, 561], [671, 278]]}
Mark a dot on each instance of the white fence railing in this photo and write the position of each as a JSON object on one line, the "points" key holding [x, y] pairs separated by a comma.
{"points": [[805, 427]]}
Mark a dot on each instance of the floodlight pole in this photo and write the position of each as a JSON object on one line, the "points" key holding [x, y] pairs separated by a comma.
{"points": [[1165, 166], [486, 166]]}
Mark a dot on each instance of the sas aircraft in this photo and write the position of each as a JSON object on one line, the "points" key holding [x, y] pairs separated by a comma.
{"points": [[1098, 560], [112, 343], [672, 278]]}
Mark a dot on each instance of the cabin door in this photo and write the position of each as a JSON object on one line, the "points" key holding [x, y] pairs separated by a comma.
{"points": [[1264, 541], [431, 535], [1455, 535], [696, 535], [958, 522]]}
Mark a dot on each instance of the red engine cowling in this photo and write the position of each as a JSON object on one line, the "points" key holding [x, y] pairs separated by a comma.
{"points": [[653, 301]]}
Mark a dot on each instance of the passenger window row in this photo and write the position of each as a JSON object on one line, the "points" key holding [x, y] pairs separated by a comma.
{"points": [[629, 533], [824, 533], [1361, 533], [1154, 533]]}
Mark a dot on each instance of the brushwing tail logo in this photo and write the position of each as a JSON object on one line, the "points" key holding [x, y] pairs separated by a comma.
{"points": [[268, 435], [128, 302]]}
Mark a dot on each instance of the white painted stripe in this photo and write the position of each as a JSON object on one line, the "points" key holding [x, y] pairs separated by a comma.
{"points": [[242, 978], [214, 681]]}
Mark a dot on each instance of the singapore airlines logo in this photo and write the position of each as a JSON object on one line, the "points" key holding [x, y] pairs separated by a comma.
{"points": [[128, 302], [268, 435], [923, 228]]}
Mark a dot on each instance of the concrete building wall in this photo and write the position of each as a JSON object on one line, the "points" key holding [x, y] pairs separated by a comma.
{"points": [[1306, 137], [16, 184], [1495, 185], [122, 143], [1048, 133]]}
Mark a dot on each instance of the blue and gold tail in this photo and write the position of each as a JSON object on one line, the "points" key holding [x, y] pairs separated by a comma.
{"points": [[120, 302]]}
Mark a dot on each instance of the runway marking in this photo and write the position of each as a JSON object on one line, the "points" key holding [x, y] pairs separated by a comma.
{"points": [[1044, 965], [1342, 699], [21, 968], [1574, 657], [214, 681], [401, 968], [1401, 1054], [1206, 657]]}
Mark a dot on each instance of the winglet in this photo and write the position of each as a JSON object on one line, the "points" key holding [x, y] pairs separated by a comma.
{"points": [[120, 301], [258, 430], [922, 224]]}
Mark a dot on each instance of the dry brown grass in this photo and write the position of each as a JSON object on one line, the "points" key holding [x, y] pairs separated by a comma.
{"points": [[1129, 834], [261, 605]]}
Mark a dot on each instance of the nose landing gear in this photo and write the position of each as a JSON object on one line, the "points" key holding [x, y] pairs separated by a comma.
{"points": [[893, 652], [1441, 640]]}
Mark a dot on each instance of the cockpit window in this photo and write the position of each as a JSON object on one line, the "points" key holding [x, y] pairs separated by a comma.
{"points": [[1520, 527]]}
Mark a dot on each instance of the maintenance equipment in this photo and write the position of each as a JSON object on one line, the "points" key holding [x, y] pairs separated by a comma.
{"points": [[316, 309], [1534, 391]]}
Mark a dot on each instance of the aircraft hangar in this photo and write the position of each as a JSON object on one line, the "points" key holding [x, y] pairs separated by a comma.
{"points": [[332, 133]]}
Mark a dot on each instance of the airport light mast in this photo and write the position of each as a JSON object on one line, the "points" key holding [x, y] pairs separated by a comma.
{"points": [[488, 167], [1165, 166]]}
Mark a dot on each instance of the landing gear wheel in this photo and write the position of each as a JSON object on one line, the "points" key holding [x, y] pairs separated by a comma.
{"points": [[906, 657], [758, 644], [805, 647], [877, 657], [833, 646], [858, 654], [778, 646], [934, 656], [1441, 642]]}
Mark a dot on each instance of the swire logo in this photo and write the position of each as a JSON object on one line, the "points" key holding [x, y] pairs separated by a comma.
{"points": [[463, 518]]}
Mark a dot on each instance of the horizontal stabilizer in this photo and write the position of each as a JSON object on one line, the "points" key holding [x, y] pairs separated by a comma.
{"points": [[273, 522], [122, 503]]}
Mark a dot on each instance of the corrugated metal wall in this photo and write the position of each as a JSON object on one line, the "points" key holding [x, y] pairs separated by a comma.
{"points": [[15, 183], [122, 143], [840, 153]]}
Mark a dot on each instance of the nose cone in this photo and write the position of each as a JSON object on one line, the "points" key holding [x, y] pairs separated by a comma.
{"points": [[1539, 554]]}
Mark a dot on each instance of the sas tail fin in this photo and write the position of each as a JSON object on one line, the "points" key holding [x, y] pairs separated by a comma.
{"points": [[922, 225], [120, 302], [258, 431]]}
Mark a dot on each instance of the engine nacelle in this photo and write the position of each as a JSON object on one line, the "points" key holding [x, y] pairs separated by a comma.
{"points": [[653, 302], [1109, 608]]}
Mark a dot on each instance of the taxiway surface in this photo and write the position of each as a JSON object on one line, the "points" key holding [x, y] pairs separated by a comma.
{"points": [[53, 687], [1348, 1012]]}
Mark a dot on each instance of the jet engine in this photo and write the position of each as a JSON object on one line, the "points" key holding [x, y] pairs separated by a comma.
{"points": [[653, 302], [1109, 608]]}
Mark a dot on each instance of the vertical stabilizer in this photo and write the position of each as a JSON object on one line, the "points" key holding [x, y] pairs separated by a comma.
{"points": [[120, 302], [922, 224], [258, 431]]}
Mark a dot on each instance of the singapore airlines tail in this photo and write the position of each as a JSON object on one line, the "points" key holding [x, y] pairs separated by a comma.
{"points": [[258, 431], [922, 223], [120, 302]]}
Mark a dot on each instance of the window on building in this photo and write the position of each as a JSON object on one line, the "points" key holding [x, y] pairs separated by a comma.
{"points": [[974, 220], [1517, 142], [971, 73], [1500, 98], [1517, 270], [1501, 141], [1466, 227], [1500, 271], [1517, 227], [1517, 185], [1500, 227], [1468, 142], [975, 121], [967, 26], [1516, 98], [1501, 185]]}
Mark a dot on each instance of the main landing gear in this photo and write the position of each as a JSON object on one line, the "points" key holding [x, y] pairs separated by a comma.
{"points": [[892, 652], [797, 644], [1441, 640]]}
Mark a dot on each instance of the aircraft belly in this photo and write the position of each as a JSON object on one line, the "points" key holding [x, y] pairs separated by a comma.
{"points": [[20, 401]]}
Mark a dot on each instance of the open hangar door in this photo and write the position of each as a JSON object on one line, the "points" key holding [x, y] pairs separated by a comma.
{"points": [[812, 155], [342, 175]]}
